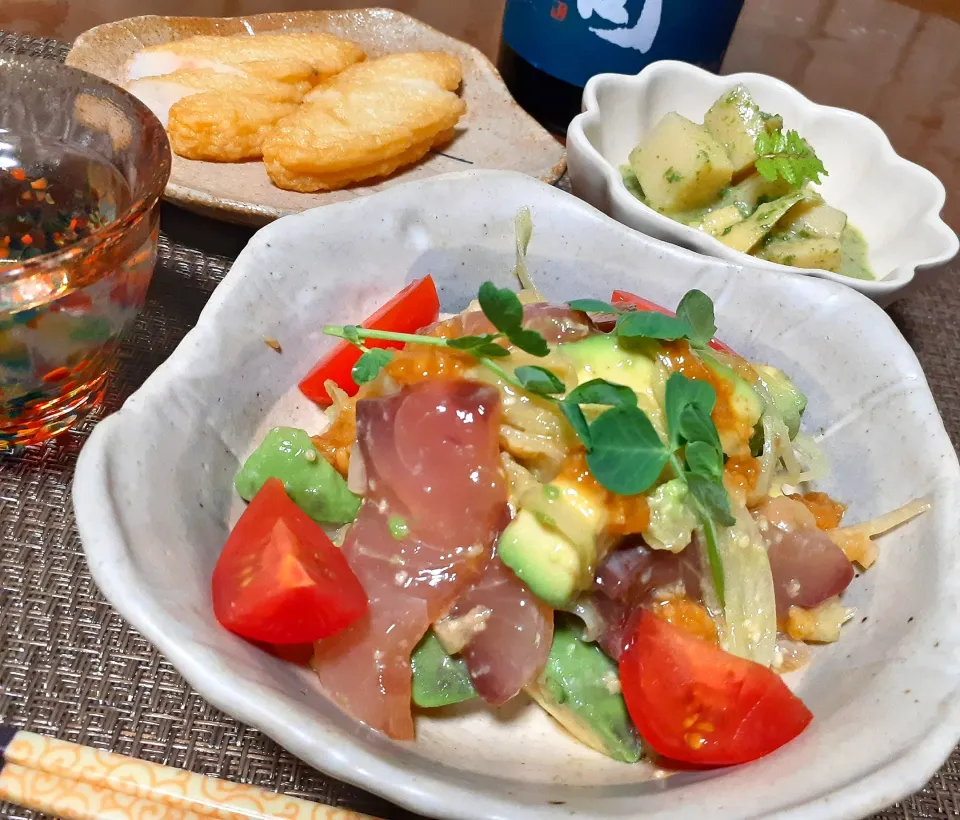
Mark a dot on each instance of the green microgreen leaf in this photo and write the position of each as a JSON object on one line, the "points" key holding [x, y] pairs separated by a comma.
{"points": [[712, 497], [352, 334], [787, 156], [696, 309], [703, 459], [626, 454], [593, 306], [650, 325], [530, 341], [696, 425], [505, 312], [484, 346], [681, 393], [600, 391], [578, 422], [538, 380], [370, 364], [502, 307]]}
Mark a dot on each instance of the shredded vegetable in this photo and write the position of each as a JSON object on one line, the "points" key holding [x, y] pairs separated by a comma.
{"points": [[855, 540], [750, 613]]}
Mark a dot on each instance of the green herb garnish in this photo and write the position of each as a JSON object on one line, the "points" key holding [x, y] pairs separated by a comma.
{"points": [[788, 156], [539, 380], [624, 451], [694, 320], [370, 364], [398, 527], [672, 175], [502, 307]]}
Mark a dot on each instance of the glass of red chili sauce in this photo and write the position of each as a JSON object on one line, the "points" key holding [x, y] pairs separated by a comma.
{"points": [[82, 166]]}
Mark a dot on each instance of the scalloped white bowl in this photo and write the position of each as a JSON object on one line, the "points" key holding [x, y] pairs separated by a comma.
{"points": [[154, 501], [895, 203]]}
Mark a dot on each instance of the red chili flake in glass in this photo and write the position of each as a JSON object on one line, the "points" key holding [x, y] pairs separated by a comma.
{"points": [[56, 375]]}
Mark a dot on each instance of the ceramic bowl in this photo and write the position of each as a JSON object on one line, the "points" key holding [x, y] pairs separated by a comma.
{"points": [[494, 133], [895, 203], [154, 502]]}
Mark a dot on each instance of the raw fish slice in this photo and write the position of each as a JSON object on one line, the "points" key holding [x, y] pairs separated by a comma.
{"points": [[326, 54], [514, 644], [556, 323], [629, 578], [434, 506]]}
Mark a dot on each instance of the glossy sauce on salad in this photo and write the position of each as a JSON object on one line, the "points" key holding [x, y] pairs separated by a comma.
{"points": [[596, 505]]}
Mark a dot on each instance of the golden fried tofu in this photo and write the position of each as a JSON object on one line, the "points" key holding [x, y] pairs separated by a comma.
{"points": [[435, 66], [161, 93], [367, 126], [223, 128], [307, 183], [293, 72], [325, 53]]}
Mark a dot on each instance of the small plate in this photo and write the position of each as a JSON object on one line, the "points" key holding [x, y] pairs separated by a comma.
{"points": [[154, 500], [894, 202], [495, 133]]}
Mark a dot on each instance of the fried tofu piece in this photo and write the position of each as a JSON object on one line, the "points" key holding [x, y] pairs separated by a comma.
{"points": [[434, 66], [326, 54], [161, 93], [292, 72], [366, 126], [309, 183], [223, 128]]}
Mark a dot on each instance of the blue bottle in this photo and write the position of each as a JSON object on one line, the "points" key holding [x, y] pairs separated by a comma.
{"points": [[550, 48]]}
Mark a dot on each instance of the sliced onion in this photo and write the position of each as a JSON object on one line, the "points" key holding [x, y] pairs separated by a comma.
{"points": [[887, 521], [585, 609], [816, 467], [357, 471]]}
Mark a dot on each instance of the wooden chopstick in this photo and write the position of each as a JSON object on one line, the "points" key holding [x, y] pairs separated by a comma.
{"points": [[77, 782]]}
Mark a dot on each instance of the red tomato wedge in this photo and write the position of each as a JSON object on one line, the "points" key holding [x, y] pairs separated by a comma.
{"points": [[279, 579], [622, 297], [695, 703], [414, 307]]}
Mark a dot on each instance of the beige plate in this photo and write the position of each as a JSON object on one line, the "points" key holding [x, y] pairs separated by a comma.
{"points": [[495, 133]]}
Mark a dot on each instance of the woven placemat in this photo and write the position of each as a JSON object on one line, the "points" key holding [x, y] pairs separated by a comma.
{"points": [[71, 667]]}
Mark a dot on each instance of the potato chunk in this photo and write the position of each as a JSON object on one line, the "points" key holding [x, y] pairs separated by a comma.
{"points": [[822, 253], [734, 121], [716, 222], [815, 218], [679, 165]]}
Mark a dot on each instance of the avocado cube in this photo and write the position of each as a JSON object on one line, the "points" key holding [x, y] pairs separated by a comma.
{"points": [[314, 486], [580, 688], [439, 679], [679, 165], [542, 557]]}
